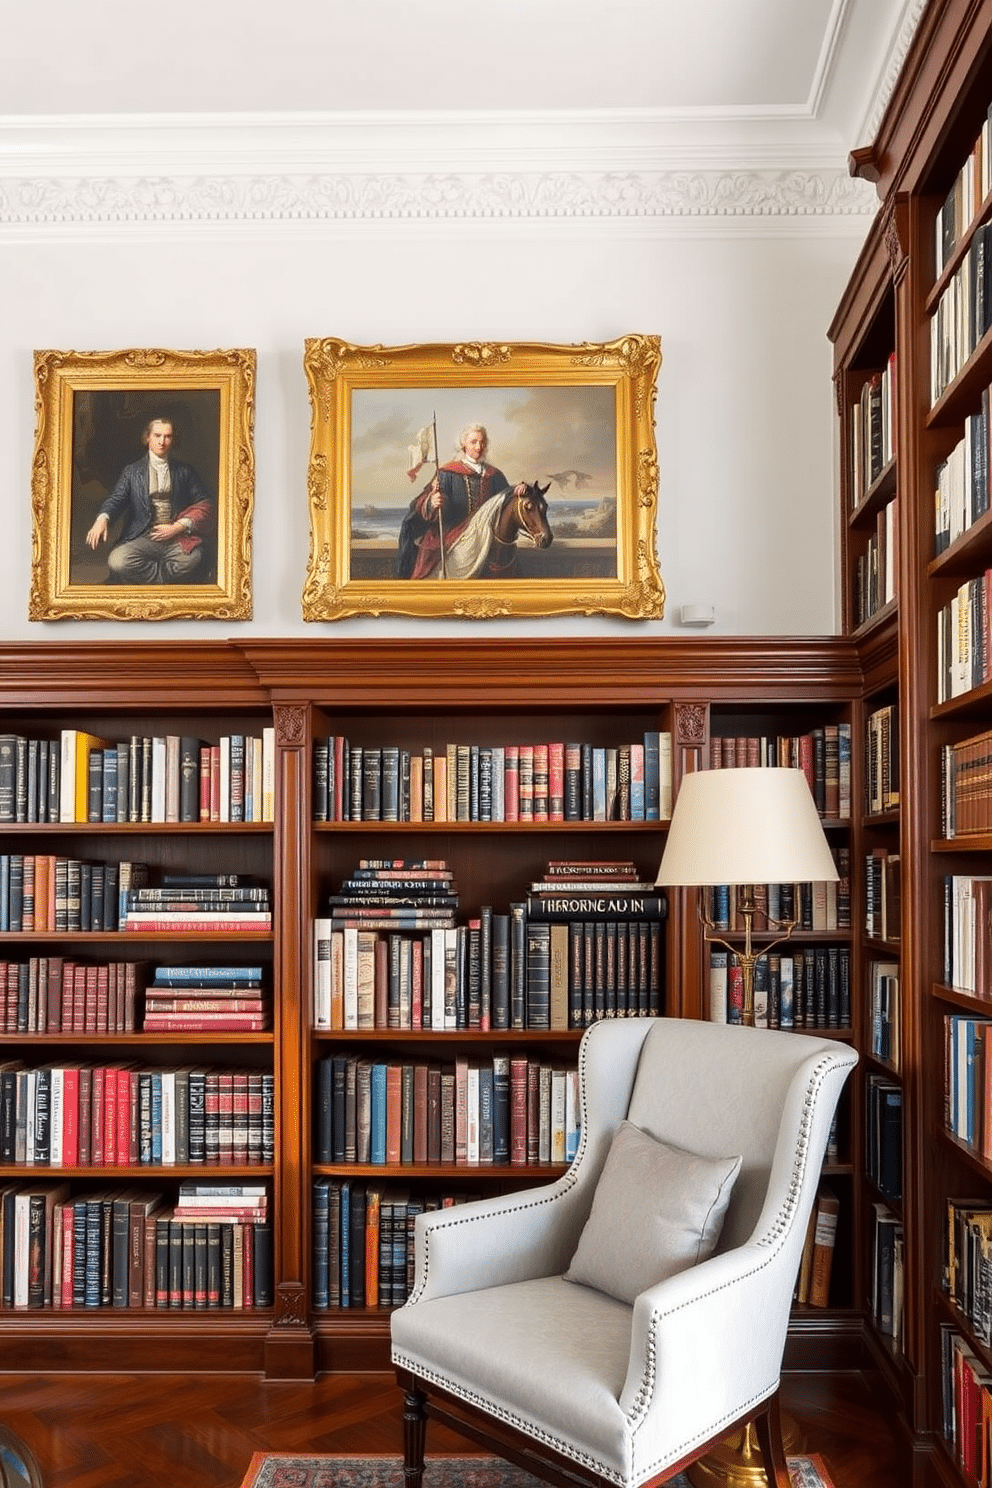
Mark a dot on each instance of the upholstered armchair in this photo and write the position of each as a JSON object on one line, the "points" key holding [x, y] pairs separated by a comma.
{"points": [[608, 1328]]}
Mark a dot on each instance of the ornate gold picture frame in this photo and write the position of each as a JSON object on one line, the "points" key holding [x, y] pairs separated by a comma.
{"points": [[482, 480], [117, 536]]}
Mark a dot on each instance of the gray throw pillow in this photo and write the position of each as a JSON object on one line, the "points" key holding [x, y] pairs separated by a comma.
{"points": [[657, 1210]]}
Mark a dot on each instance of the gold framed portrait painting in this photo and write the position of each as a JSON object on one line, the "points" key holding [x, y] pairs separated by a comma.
{"points": [[481, 480], [142, 485]]}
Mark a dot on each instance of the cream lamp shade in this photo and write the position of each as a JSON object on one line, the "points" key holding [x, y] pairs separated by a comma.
{"points": [[745, 826]]}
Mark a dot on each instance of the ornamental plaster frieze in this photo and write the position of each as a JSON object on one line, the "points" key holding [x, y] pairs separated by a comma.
{"points": [[53, 201]]}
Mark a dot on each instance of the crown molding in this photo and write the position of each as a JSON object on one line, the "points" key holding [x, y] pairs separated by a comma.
{"points": [[105, 172]]}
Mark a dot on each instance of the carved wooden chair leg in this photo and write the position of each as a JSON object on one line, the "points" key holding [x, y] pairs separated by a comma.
{"points": [[414, 1438], [768, 1426]]}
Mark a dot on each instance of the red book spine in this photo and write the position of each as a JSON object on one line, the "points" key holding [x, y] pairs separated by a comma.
{"points": [[215, 782], [417, 984], [248, 1233], [110, 1118], [79, 999], [123, 1134], [394, 1112], [97, 1118], [556, 780], [70, 1118], [239, 1122], [103, 1024], [204, 782], [68, 1244], [91, 1007], [518, 1112]]}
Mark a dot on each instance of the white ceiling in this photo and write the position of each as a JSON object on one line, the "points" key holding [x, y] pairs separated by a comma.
{"points": [[202, 111], [813, 66]]}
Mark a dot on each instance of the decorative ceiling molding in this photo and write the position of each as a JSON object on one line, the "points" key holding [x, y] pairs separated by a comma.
{"points": [[896, 59], [106, 201]]}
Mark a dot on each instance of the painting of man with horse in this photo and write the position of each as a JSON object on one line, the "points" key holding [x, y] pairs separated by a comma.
{"points": [[466, 522], [480, 479]]}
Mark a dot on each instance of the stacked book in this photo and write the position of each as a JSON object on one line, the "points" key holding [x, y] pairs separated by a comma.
{"points": [[207, 999], [207, 902], [593, 943]]}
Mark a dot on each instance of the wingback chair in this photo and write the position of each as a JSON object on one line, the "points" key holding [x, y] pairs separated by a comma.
{"points": [[605, 1329]]}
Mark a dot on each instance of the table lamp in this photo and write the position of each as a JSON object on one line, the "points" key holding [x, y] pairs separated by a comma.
{"points": [[745, 827]]}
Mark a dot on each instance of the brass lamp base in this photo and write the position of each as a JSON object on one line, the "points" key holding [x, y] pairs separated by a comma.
{"points": [[737, 1460]]}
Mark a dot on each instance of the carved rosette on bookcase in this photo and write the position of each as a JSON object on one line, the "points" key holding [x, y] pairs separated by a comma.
{"points": [[927, 1204]]}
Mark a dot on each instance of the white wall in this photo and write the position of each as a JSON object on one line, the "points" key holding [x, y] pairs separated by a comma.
{"points": [[745, 420]]}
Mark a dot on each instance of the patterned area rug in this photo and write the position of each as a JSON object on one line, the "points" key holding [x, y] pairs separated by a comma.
{"points": [[281, 1470]]}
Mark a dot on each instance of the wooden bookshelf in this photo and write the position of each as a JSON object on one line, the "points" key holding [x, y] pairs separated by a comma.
{"points": [[606, 691], [919, 252]]}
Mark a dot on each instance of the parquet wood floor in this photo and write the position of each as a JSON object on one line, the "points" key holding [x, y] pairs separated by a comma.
{"points": [[173, 1431]]}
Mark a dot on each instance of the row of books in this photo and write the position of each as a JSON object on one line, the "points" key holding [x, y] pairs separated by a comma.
{"points": [[875, 567], [966, 786], [808, 988], [546, 781], [814, 908], [968, 1263], [119, 1115], [966, 197], [47, 893], [81, 777], [963, 313], [966, 1410], [584, 944], [50, 994], [823, 754], [509, 1109], [968, 1080], [961, 480], [816, 1266], [363, 1242], [963, 654], [884, 1011], [128, 1248], [882, 759], [561, 975], [883, 894], [873, 430], [883, 1135], [967, 958], [887, 1279]]}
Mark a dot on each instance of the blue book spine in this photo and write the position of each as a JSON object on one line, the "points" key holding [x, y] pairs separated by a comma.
{"points": [[378, 1146], [321, 1243], [156, 1117], [345, 1233]]}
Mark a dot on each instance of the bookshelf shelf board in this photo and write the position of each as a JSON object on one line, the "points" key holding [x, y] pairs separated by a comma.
{"points": [[205, 1172], [443, 828], [963, 394], [879, 493], [442, 1173], [970, 1155], [138, 829], [974, 842], [970, 1001], [445, 1038], [953, 1314], [887, 948], [881, 819], [882, 1066], [133, 937], [138, 1039], [886, 615], [968, 551]]}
